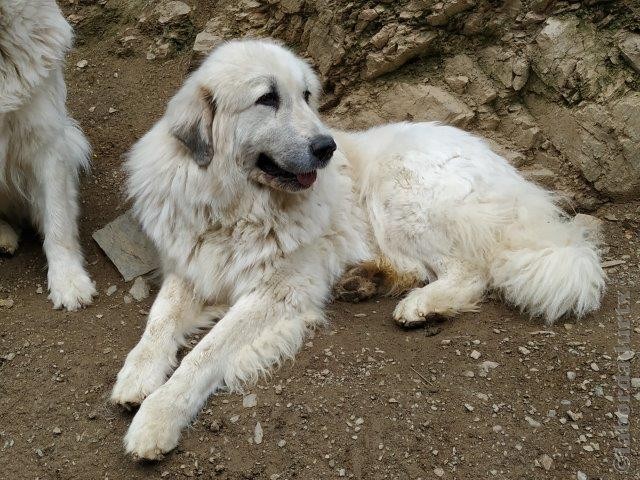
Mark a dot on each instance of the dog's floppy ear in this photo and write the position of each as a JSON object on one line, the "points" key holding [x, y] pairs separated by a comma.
{"points": [[193, 123]]}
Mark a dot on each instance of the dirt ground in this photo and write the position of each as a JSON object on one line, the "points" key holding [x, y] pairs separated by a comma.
{"points": [[363, 399]]}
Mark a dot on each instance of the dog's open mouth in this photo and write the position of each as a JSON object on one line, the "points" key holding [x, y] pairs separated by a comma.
{"points": [[283, 179]]}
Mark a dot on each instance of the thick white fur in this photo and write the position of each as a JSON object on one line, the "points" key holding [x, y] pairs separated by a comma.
{"points": [[41, 147], [429, 201]]}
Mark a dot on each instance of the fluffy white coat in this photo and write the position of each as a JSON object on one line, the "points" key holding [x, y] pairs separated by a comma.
{"points": [[423, 202]]}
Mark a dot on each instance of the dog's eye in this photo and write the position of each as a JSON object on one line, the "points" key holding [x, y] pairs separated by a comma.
{"points": [[307, 95], [270, 99]]}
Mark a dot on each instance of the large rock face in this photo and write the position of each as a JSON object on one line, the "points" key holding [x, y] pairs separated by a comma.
{"points": [[554, 83]]}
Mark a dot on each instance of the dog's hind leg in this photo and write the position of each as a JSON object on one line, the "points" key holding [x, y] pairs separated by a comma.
{"points": [[458, 288], [175, 314], [56, 215], [8, 238]]}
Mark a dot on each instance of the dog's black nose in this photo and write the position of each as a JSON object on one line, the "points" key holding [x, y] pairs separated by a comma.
{"points": [[322, 148]]}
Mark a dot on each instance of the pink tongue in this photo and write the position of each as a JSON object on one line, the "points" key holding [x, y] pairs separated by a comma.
{"points": [[307, 179]]}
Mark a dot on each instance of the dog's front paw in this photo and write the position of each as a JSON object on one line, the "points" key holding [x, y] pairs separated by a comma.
{"points": [[8, 239], [144, 371], [154, 431], [70, 287], [414, 310]]}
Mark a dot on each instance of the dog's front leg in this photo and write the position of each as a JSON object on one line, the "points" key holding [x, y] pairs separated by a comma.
{"points": [[257, 332], [56, 213], [175, 314]]}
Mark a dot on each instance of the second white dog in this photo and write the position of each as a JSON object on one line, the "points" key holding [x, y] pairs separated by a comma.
{"points": [[255, 224], [42, 149]]}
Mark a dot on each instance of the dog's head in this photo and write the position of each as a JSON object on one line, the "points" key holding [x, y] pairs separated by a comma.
{"points": [[254, 103]]}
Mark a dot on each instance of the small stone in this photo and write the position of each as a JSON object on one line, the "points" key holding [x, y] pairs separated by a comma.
{"points": [[359, 421], [112, 110], [56, 431], [342, 472], [626, 356], [205, 42], [524, 350], [250, 401], [546, 461], [595, 367], [571, 376], [532, 422], [612, 263], [111, 290], [140, 289], [574, 416], [497, 428], [8, 303], [469, 407], [457, 83], [82, 63], [234, 418], [172, 12], [39, 290], [468, 373], [475, 354], [278, 389], [635, 382], [581, 475], [257, 434], [282, 443], [438, 472], [486, 366], [8, 357]]}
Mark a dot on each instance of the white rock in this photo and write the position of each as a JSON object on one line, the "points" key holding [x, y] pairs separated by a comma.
{"points": [[571, 376], [546, 461], [475, 354], [524, 350], [8, 303], [140, 289], [206, 41], [532, 422], [111, 290], [626, 356], [438, 472], [82, 63], [581, 475], [172, 11], [635, 382], [257, 434], [250, 401], [282, 443], [486, 366]]}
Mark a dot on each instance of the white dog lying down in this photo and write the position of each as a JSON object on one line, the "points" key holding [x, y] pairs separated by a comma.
{"points": [[235, 186], [41, 147]]}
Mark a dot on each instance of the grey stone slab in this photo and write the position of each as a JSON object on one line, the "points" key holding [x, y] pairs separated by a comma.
{"points": [[127, 247]]}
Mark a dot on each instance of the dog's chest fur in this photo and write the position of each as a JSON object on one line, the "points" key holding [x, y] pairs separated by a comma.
{"points": [[263, 239]]}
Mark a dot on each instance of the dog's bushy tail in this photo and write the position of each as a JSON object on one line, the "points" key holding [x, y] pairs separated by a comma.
{"points": [[550, 269]]}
